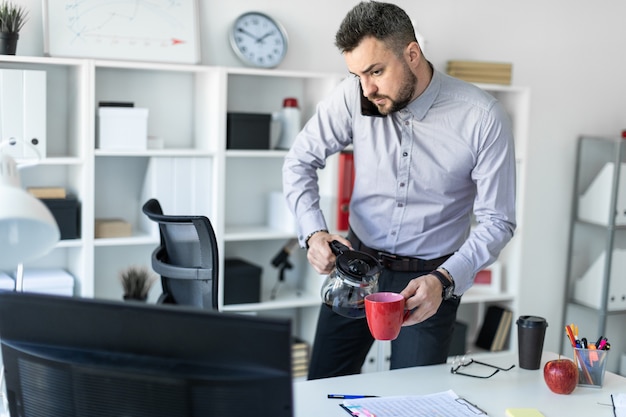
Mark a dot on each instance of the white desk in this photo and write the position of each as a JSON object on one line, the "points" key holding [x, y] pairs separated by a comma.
{"points": [[515, 388]]}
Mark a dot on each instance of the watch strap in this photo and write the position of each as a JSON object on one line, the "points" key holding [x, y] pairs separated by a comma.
{"points": [[445, 283]]}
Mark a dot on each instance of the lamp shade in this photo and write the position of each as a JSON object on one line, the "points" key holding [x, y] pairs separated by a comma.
{"points": [[27, 228]]}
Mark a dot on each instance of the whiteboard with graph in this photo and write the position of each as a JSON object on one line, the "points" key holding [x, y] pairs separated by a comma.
{"points": [[142, 30]]}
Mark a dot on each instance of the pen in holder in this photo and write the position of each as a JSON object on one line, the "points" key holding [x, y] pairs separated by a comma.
{"points": [[591, 365]]}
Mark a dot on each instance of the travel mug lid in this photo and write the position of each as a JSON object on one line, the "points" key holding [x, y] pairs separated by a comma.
{"points": [[532, 321]]}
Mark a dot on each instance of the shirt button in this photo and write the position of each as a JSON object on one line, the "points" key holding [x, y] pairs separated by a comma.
{"points": [[400, 205], [401, 184], [405, 153], [393, 233]]}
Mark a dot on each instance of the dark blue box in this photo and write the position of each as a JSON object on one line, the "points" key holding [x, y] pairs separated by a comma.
{"points": [[66, 212], [248, 131]]}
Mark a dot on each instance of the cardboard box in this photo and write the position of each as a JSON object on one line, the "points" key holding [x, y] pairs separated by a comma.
{"points": [[242, 282], [248, 131], [112, 228], [122, 128]]}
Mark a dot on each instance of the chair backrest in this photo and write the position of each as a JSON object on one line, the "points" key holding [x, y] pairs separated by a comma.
{"points": [[187, 258]]}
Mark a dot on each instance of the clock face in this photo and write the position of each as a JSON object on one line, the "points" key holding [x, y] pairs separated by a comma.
{"points": [[258, 40]]}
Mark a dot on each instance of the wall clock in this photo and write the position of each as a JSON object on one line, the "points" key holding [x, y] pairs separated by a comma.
{"points": [[258, 40]]}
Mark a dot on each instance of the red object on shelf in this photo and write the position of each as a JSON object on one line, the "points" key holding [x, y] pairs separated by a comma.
{"points": [[344, 191], [483, 277], [623, 134]]}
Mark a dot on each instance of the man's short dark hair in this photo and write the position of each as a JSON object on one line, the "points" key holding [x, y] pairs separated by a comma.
{"points": [[384, 21]]}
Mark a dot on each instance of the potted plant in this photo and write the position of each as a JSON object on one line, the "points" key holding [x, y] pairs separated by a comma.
{"points": [[12, 19]]}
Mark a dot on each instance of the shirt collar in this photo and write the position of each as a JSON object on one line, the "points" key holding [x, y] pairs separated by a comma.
{"points": [[420, 106]]}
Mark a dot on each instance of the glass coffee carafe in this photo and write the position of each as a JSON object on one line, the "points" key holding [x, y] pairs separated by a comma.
{"points": [[354, 277]]}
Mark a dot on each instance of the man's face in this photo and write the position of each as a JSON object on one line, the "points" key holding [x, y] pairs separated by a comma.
{"points": [[387, 81]]}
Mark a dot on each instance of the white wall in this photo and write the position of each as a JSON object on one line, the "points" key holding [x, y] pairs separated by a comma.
{"points": [[571, 53]]}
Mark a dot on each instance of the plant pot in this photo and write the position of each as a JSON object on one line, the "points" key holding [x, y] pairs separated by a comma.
{"points": [[8, 42]]}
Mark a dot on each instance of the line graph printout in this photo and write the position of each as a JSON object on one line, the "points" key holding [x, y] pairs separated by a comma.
{"points": [[143, 30]]}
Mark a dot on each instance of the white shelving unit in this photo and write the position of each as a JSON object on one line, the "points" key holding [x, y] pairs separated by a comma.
{"points": [[194, 173], [595, 291]]}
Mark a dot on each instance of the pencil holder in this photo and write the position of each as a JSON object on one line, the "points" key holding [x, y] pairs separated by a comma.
{"points": [[591, 365]]}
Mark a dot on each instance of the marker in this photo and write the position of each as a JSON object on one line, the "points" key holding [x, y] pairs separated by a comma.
{"points": [[349, 396], [599, 340]]}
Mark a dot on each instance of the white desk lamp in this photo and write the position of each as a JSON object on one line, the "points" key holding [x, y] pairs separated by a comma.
{"points": [[27, 228]]}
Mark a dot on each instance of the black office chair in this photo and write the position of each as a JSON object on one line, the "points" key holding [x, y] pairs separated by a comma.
{"points": [[186, 259]]}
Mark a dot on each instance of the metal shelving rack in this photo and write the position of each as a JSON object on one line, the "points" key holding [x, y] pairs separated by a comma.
{"points": [[595, 283]]}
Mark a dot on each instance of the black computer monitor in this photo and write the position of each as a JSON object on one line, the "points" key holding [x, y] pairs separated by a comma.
{"points": [[66, 356]]}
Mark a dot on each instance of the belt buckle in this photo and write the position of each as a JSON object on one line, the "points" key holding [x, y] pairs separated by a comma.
{"points": [[384, 256], [387, 259]]}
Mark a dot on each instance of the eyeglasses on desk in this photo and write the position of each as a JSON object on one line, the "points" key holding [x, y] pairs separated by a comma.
{"points": [[465, 361]]}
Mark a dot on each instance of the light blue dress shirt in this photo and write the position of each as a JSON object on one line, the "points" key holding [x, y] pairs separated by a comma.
{"points": [[420, 173]]}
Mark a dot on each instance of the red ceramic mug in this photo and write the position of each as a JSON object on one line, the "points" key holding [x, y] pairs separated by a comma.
{"points": [[385, 314]]}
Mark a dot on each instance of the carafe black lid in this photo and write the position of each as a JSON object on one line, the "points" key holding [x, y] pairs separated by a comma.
{"points": [[357, 266]]}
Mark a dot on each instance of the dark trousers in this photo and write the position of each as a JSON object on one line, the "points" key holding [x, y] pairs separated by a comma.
{"points": [[342, 344]]}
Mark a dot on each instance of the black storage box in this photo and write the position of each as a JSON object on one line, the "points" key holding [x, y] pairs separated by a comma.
{"points": [[66, 212], [242, 282], [248, 131]]}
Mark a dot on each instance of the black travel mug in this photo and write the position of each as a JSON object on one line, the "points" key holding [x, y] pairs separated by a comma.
{"points": [[531, 331]]}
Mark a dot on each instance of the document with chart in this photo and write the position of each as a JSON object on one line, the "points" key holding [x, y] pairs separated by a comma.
{"points": [[442, 404]]}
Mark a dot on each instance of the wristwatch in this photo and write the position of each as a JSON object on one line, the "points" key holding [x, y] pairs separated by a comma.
{"points": [[448, 285]]}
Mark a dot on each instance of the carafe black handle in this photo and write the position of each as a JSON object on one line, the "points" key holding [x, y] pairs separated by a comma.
{"points": [[338, 248]]}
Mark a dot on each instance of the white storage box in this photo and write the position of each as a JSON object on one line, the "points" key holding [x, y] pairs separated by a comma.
{"points": [[48, 281], [279, 216], [122, 128], [595, 203], [588, 289]]}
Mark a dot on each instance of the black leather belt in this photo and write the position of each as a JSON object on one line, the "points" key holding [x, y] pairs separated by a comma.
{"points": [[398, 263]]}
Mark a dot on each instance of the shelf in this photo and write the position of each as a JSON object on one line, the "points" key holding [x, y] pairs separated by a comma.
{"points": [[60, 161], [255, 154], [154, 152], [476, 295], [597, 310], [70, 243], [286, 298], [128, 241], [244, 233]]}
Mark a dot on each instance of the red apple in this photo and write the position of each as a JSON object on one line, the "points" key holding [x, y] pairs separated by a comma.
{"points": [[561, 375]]}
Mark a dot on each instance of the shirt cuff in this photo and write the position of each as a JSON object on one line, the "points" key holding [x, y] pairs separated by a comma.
{"points": [[461, 271], [310, 223]]}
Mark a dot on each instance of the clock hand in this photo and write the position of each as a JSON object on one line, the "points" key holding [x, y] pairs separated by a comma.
{"points": [[248, 33], [259, 40]]}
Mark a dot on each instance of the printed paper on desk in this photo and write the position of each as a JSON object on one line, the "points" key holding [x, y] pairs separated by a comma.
{"points": [[619, 405], [442, 404]]}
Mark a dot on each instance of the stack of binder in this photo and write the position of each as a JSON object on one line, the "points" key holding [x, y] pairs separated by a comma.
{"points": [[495, 328], [481, 72], [300, 358]]}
